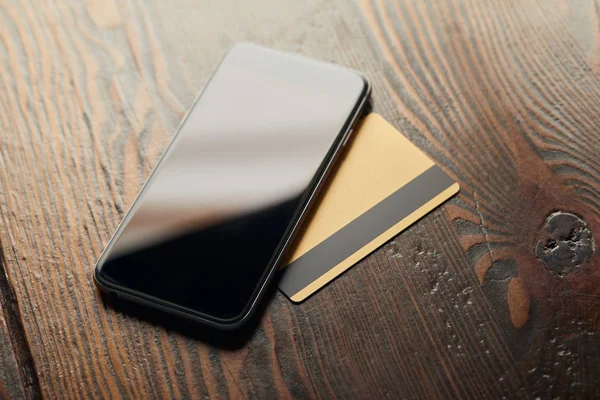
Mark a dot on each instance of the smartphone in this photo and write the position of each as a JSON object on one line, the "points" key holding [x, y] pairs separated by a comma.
{"points": [[208, 230]]}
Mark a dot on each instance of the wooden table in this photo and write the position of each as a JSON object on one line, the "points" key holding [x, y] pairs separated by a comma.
{"points": [[495, 294]]}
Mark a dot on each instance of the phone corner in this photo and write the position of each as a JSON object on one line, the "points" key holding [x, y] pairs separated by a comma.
{"points": [[237, 322], [98, 280], [366, 83]]}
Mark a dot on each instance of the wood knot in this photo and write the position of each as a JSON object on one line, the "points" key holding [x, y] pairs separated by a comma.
{"points": [[565, 243]]}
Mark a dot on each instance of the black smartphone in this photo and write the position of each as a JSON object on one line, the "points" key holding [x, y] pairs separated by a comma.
{"points": [[205, 235]]}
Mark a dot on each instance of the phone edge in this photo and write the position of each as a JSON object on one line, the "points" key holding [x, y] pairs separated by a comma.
{"points": [[315, 187]]}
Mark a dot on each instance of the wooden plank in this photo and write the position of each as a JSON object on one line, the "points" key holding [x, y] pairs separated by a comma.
{"points": [[18, 378], [501, 94]]}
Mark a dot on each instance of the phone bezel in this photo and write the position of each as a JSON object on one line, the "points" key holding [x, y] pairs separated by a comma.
{"points": [[307, 201]]}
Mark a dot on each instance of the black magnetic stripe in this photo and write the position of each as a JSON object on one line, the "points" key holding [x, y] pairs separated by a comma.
{"points": [[362, 230]]}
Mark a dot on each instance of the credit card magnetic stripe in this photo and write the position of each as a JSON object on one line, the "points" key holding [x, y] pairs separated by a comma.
{"points": [[366, 232]]}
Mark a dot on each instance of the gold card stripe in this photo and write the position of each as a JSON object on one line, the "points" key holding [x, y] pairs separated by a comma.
{"points": [[378, 161], [353, 241], [374, 245]]}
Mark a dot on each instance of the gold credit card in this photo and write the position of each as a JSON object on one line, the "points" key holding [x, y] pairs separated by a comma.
{"points": [[383, 184]]}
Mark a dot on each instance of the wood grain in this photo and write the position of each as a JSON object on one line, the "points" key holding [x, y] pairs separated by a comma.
{"points": [[18, 378], [502, 94]]}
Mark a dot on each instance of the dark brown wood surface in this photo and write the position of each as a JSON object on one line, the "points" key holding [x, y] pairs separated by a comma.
{"points": [[495, 294]]}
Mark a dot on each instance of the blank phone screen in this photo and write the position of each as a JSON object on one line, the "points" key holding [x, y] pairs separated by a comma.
{"points": [[207, 226]]}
